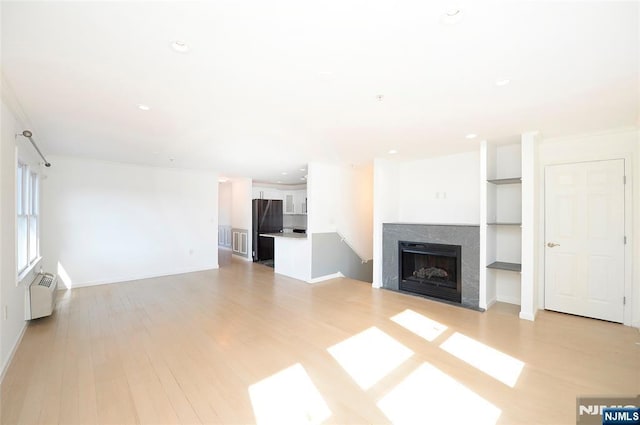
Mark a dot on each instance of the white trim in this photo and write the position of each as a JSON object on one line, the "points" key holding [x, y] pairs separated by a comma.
{"points": [[123, 279], [28, 270], [7, 363], [527, 316], [325, 277], [528, 288], [490, 303], [510, 300], [482, 281]]}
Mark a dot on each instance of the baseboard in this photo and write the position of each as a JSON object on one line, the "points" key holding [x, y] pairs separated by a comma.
{"points": [[7, 363], [325, 277], [132, 278], [509, 300], [527, 316], [490, 303]]}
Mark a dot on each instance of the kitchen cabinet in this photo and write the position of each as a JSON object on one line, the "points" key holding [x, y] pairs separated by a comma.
{"points": [[289, 205], [293, 201], [267, 193]]}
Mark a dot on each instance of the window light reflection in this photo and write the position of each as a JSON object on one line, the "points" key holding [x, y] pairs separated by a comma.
{"points": [[369, 356], [288, 397], [419, 324], [429, 396], [64, 276], [494, 363]]}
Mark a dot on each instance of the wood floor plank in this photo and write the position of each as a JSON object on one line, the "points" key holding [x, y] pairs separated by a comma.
{"points": [[189, 348]]}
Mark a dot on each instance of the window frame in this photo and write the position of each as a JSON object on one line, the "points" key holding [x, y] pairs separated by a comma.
{"points": [[28, 209]]}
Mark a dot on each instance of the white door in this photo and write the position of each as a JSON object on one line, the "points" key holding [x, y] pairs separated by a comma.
{"points": [[584, 239]]}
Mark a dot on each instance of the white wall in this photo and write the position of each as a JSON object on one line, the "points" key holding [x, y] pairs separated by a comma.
{"points": [[12, 292], [224, 204], [614, 144], [108, 222], [340, 199], [442, 190], [241, 207]]}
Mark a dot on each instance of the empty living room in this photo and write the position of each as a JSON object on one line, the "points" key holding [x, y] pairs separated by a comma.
{"points": [[338, 212]]}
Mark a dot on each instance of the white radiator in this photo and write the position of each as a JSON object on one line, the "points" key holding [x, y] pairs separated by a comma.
{"points": [[41, 296]]}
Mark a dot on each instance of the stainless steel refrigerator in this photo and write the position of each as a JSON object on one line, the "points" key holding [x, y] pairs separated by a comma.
{"points": [[267, 218]]}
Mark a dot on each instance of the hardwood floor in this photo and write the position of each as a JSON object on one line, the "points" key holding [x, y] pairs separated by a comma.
{"points": [[237, 344]]}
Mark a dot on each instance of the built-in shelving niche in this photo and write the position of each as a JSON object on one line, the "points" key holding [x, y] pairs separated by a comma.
{"points": [[503, 222]]}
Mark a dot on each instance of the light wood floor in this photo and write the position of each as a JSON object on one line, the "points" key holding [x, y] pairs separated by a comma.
{"points": [[186, 349]]}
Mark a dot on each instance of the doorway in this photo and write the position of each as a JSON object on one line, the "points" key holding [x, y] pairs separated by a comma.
{"points": [[585, 238]]}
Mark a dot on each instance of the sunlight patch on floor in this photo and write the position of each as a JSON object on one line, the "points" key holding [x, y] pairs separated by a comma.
{"points": [[494, 363], [429, 396], [369, 356], [288, 397], [419, 324]]}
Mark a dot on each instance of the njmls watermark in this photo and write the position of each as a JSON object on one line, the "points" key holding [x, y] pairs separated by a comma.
{"points": [[608, 410]]}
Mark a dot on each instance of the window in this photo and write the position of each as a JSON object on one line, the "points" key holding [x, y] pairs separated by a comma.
{"points": [[28, 189]]}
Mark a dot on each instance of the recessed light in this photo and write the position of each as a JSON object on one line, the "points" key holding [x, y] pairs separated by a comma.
{"points": [[284, 173], [180, 46], [393, 152], [302, 178], [451, 16], [223, 180], [279, 181], [303, 169], [471, 136], [503, 82], [143, 107]]}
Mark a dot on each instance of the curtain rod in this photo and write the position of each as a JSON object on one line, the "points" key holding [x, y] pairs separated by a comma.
{"points": [[28, 135]]}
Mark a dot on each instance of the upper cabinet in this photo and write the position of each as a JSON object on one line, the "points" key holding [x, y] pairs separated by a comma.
{"points": [[260, 192], [293, 201], [289, 205]]}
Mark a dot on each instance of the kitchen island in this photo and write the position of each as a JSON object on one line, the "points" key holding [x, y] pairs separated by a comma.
{"points": [[291, 254]]}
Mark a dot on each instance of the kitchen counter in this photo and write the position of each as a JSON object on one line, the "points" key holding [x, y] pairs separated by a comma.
{"points": [[291, 254], [285, 235]]}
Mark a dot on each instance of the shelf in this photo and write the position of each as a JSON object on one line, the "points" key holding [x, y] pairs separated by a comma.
{"points": [[500, 265], [504, 224], [513, 180]]}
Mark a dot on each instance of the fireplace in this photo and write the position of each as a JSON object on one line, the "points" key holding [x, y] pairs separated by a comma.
{"points": [[430, 269]]}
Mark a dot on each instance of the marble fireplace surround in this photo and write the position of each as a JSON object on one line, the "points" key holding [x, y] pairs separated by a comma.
{"points": [[467, 236]]}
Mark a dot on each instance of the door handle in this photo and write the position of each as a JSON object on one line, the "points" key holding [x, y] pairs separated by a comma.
{"points": [[552, 245]]}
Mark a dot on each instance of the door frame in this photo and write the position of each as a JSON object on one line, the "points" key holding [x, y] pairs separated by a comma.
{"points": [[628, 227]]}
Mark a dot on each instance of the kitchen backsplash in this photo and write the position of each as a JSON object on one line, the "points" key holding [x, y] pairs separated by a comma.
{"points": [[294, 220]]}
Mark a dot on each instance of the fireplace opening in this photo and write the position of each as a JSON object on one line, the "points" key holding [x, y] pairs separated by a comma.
{"points": [[431, 269]]}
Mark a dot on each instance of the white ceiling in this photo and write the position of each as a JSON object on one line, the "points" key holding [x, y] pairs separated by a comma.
{"points": [[271, 85]]}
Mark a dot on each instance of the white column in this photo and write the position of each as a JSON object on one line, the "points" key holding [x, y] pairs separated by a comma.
{"points": [[385, 210], [529, 293], [483, 225]]}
